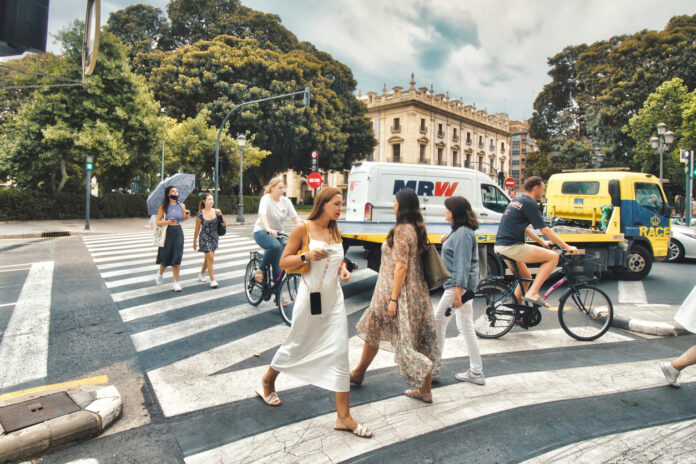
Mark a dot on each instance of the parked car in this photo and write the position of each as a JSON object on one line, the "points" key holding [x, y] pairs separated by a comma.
{"points": [[682, 244]]}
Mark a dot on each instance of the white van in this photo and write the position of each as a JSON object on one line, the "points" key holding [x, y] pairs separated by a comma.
{"points": [[372, 186]]}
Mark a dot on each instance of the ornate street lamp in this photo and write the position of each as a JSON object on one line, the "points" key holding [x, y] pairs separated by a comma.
{"points": [[662, 142]]}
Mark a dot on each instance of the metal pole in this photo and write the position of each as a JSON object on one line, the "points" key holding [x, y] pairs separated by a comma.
{"points": [[689, 173], [162, 167], [87, 195], [240, 194], [661, 150]]}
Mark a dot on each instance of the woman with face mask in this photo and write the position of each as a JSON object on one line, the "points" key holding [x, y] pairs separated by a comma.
{"points": [[171, 214]]}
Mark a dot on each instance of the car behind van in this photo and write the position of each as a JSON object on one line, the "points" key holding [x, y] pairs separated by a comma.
{"points": [[372, 186]]}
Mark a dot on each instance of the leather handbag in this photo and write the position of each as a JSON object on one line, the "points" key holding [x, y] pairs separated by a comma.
{"points": [[434, 268], [221, 230], [305, 248], [160, 235]]}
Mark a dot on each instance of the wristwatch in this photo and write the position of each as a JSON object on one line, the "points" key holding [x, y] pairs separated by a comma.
{"points": [[303, 257]]}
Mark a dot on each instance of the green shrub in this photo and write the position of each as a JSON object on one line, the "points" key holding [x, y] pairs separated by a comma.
{"points": [[20, 205]]}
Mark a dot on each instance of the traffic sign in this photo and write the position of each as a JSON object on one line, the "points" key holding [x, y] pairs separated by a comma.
{"points": [[510, 182], [314, 180]]}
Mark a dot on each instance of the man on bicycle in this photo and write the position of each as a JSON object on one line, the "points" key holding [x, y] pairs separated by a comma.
{"points": [[510, 240]]}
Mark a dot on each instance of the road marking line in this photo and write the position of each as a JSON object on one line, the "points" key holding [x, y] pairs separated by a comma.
{"points": [[305, 440], [16, 270], [159, 307], [144, 238], [26, 265], [166, 287], [148, 244], [183, 272], [24, 348], [189, 384], [151, 248], [7, 304], [150, 265], [632, 292], [99, 380], [152, 255]]}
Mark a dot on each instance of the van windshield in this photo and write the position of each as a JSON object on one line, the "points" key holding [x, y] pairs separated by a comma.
{"points": [[493, 199]]}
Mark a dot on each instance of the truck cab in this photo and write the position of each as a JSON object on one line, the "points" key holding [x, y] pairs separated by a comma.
{"points": [[586, 199]]}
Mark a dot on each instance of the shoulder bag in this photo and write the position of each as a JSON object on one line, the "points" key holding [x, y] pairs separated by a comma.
{"points": [[160, 235], [305, 248], [221, 230], [434, 268]]}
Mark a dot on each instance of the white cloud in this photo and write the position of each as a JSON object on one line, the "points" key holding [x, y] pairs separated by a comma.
{"points": [[499, 60]]}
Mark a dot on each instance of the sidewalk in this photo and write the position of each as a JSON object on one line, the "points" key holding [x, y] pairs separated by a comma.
{"points": [[66, 227]]}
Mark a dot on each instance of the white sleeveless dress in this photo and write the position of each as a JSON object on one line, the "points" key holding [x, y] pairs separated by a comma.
{"points": [[316, 348]]}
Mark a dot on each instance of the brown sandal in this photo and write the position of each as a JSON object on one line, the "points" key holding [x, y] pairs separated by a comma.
{"points": [[417, 395]]}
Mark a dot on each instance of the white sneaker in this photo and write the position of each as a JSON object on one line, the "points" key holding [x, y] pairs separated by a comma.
{"points": [[469, 376], [213, 284], [176, 286], [201, 278], [671, 374], [158, 279]]}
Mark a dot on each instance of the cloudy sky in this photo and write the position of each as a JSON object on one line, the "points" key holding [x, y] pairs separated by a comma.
{"points": [[489, 52]]}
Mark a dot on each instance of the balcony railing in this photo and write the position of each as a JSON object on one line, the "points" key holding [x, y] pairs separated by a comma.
{"points": [[455, 138], [396, 128], [424, 161], [441, 134], [468, 141], [395, 159]]}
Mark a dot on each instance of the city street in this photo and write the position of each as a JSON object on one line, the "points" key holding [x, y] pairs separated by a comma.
{"points": [[187, 365]]}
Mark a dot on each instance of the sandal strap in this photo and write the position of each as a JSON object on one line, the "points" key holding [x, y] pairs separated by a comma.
{"points": [[360, 430]]}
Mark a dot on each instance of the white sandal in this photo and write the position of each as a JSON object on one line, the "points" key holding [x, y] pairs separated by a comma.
{"points": [[360, 430]]}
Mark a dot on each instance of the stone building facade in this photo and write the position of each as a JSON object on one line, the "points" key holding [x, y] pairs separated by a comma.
{"points": [[521, 145], [417, 126]]}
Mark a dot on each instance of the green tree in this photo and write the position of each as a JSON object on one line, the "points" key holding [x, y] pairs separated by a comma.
{"points": [[141, 27], [190, 147], [571, 154], [113, 117], [667, 104], [219, 74], [596, 89]]}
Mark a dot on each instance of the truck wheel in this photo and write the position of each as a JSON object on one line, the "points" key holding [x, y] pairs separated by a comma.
{"points": [[638, 263]]}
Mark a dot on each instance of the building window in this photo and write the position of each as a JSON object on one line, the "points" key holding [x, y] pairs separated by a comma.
{"points": [[468, 138], [397, 125], [439, 157], [422, 159], [468, 161], [502, 147], [454, 135], [455, 158], [480, 163], [396, 153], [491, 146], [440, 133], [422, 127], [480, 141]]}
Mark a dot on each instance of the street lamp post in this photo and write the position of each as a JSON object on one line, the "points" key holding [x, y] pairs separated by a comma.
{"points": [[306, 93], [597, 158], [241, 141], [662, 142], [164, 113], [89, 164]]}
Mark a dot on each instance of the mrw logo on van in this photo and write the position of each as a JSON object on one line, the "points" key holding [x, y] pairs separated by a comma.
{"points": [[425, 188]]}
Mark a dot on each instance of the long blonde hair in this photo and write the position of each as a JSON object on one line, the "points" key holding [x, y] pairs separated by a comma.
{"points": [[272, 184], [323, 197]]}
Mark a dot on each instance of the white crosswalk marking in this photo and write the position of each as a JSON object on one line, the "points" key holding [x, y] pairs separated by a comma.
{"points": [[24, 347], [226, 370], [632, 292]]}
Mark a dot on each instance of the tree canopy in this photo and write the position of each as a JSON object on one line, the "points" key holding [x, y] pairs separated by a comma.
{"points": [[112, 117], [596, 89]]}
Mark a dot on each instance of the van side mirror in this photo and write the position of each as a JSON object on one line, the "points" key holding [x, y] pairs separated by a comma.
{"points": [[615, 193]]}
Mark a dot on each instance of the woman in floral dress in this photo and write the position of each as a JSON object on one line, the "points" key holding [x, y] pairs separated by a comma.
{"points": [[206, 235], [400, 317]]}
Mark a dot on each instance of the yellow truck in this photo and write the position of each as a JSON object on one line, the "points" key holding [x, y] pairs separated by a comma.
{"points": [[620, 217]]}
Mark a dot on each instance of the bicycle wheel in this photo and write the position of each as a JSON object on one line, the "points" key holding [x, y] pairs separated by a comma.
{"points": [[492, 319], [253, 289], [285, 298], [585, 313]]}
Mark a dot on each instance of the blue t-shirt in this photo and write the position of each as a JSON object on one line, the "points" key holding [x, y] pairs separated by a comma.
{"points": [[518, 215]]}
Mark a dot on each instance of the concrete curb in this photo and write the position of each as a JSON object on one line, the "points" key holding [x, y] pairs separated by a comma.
{"points": [[100, 407], [663, 329]]}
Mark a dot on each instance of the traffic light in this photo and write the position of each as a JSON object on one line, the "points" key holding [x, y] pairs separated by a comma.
{"points": [[315, 159], [307, 95], [501, 179]]}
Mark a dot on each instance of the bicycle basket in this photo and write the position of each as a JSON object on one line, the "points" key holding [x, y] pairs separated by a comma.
{"points": [[582, 268]]}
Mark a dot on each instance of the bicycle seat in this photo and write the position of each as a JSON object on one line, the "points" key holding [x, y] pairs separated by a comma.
{"points": [[512, 265], [255, 255]]}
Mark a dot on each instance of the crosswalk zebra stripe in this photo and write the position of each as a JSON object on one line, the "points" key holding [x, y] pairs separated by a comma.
{"points": [[221, 253], [142, 244], [151, 254], [183, 272], [24, 347], [166, 288], [153, 249], [397, 419], [632, 292], [188, 385], [150, 309]]}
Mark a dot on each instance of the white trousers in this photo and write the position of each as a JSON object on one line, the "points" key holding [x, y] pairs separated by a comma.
{"points": [[465, 324]]}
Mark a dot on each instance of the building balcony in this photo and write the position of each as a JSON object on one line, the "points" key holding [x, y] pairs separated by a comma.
{"points": [[396, 129], [468, 141], [423, 130], [455, 138], [424, 161], [394, 159], [441, 134]]}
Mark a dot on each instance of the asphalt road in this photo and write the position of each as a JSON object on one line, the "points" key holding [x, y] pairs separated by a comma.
{"points": [[187, 364]]}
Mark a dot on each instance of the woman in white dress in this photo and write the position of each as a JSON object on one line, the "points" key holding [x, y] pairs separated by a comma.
{"points": [[316, 348]]}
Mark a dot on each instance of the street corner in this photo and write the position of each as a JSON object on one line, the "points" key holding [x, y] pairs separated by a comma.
{"points": [[44, 418]]}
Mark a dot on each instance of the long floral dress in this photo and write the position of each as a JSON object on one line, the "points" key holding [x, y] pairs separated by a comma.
{"points": [[411, 335]]}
